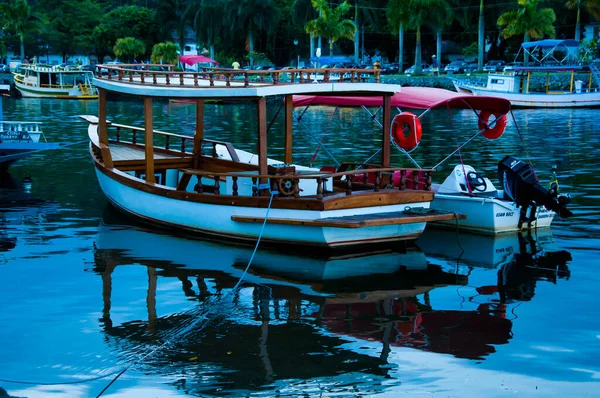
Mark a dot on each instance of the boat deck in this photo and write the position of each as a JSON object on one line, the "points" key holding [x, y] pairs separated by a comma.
{"points": [[122, 152]]}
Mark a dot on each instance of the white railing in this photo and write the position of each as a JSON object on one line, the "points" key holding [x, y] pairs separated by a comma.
{"points": [[21, 131]]}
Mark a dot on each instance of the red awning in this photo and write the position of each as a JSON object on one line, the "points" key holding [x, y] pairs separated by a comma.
{"points": [[414, 98], [195, 59]]}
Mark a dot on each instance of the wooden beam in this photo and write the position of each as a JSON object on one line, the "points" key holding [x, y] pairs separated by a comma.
{"points": [[199, 134], [262, 138], [289, 107], [149, 140], [103, 130], [385, 149]]}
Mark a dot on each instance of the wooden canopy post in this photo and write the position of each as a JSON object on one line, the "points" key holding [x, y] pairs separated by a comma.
{"points": [[149, 140], [385, 149], [262, 139], [199, 134], [289, 107], [103, 130]]}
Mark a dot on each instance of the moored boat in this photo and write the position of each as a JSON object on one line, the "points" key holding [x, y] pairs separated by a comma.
{"points": [[46, 81], [516, 85], [19, 140], [209, 186], [521, 203]]}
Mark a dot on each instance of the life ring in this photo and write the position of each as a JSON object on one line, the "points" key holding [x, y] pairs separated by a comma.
{"points": [[409, 121], [491, 133]]}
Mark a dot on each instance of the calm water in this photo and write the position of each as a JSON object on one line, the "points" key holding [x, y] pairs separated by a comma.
{"points": [[86, 292]]}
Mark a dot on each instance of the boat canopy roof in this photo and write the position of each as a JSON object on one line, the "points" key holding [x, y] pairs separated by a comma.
{"points": [[414, 98], [196, 59], [550, 43]]}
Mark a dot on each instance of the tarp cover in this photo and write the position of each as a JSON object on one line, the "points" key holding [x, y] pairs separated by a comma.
{"points": [[550, 43], [195, 59], [414, 98]]}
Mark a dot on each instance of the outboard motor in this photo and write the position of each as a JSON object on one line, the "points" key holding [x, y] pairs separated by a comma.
{"points": [[520, 184]]}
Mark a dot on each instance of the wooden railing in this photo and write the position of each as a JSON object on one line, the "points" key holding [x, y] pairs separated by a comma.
{"points": [[144, 74], [289, 184], [183, 145]]}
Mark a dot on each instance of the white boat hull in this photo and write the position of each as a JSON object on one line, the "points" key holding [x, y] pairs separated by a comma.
{"points": [[535, 100], [28, 91], [487, 215], [216, 219]]}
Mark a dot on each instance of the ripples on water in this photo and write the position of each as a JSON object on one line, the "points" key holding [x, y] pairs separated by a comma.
{"points": [[86, 292]]}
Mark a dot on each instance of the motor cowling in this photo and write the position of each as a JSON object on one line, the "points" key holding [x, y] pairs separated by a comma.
{"points": [[520, 184]]}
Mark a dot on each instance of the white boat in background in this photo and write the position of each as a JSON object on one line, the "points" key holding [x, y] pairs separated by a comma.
{"points": [[521, 203], [209, 186], [20, 139], [46, 81], [515, 85]]}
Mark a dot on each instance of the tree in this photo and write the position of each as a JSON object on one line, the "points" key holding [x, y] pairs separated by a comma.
{"points": [[439, 17], [529, 21], [302, 12], [209, 23], [253, 16], [19, 18], [330, 24], [126, 21], [175, 15], [398, 15], [167, 52], [128, 48], [71, 25], [592, 6]]}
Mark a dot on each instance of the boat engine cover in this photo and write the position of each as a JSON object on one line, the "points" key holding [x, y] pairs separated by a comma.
{"points": [[520, 184]]}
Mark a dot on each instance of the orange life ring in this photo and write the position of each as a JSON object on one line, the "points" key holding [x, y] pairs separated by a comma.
{"points": [[410, 121], [491, 133]]}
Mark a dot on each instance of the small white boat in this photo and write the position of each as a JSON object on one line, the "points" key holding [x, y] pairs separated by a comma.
{"points": [[210, 187], [522, 203], [45, 81], [19, 140], [515, 85]]}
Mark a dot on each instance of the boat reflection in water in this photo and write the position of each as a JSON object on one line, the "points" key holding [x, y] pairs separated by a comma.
{"points": [[290, 321], [18, 207]]}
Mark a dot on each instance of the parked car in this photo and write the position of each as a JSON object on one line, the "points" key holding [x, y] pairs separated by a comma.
{"points": [[456, 67], [471, 68], [511, 66], [493, 66], [425, 68]]}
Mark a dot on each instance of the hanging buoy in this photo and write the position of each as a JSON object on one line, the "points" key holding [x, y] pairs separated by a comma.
{"points": [[492, 133], [406, 130]]}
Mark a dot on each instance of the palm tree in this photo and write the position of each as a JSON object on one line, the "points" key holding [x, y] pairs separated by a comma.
{"points": [[398, 16], [528, 20], [18, 17], [302, 12], [364, 16], [167, 52], [592, 6], [254, 16], [441, 15], [209, 23], [128, 48], [175, 15], [480, 37], [330, 24]]}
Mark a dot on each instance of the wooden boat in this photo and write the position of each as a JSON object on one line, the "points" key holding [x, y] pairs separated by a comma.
{"points": [[522, 203], [515, 85], [44, 81], [208, 186]]}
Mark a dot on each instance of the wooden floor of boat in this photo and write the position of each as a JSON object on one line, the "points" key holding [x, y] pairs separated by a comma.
{"points": [[364, 220], [119, 152]]}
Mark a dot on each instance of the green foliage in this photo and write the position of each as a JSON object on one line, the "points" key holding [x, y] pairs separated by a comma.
{"points": [[527, 19], [330, 23], [588, 50], [126, 21], [18, 17], [129, 48], [167, 52], [471, 50]]}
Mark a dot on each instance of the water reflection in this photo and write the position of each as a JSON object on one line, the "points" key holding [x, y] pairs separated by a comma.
{"points": [[295, 318]]}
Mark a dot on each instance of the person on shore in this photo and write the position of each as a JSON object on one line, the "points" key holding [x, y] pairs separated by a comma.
{"points": [[435, 66], [236, 65]]}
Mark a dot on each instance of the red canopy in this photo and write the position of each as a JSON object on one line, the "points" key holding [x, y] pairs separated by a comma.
{"points": [[414, 98], [195, 59]]}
